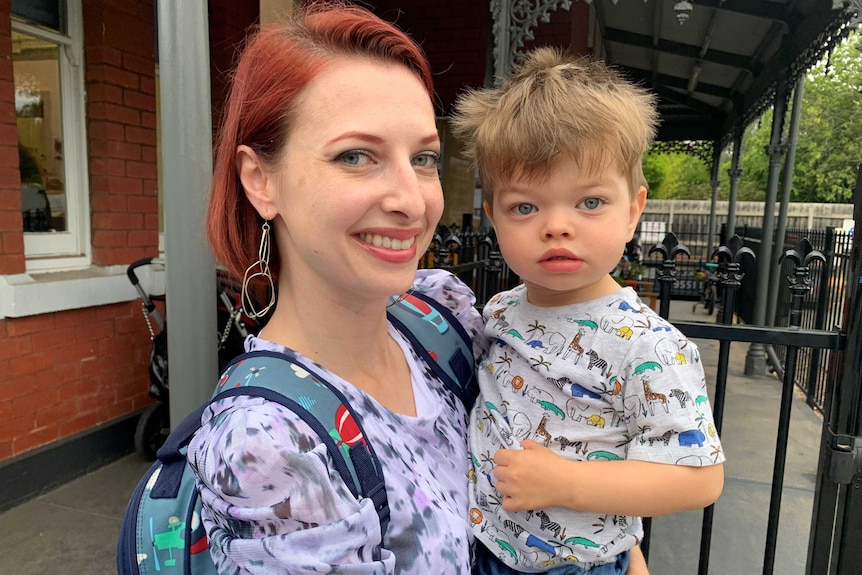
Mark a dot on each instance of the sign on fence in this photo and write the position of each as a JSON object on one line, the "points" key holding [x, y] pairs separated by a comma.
{"points": [[652, 232]]}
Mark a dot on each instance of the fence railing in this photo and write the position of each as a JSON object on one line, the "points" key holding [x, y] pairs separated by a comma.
{"points": [[472, 255]]}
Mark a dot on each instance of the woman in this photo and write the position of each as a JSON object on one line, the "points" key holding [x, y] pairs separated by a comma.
{"points": [[329, 151]]}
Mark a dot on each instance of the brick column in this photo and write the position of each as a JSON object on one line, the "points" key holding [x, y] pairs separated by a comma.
{"points": [[11, 224], [119, 49]]}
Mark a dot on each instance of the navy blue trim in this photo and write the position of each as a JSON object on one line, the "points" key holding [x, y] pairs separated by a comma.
{"points": [[422, 351], [187, 549], [173, 460], [127, 549]]}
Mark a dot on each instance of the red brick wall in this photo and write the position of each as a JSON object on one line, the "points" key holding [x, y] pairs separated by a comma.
{"points": [[121, 129], [66, 372], [11, 226], [565, 28]]}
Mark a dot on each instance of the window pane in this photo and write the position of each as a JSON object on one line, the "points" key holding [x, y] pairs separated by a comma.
{"points": [[36, 69], [46, 13]]}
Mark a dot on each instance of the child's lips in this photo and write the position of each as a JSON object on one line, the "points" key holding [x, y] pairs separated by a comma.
{"points": [[557, 255], [560, 261]]}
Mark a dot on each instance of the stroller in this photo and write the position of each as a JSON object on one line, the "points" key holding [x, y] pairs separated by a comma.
{"points": [[154, 424]]}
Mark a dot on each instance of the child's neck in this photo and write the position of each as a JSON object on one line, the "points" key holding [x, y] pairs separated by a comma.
{"points": [[541, 296]]}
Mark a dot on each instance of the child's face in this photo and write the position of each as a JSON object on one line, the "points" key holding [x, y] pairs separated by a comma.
{"points": [[565, 234]]}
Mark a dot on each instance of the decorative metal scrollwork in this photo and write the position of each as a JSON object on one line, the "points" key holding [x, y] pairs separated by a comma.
{"points": [[669, 248], [701, 149], [802, 254], [514, 22]]}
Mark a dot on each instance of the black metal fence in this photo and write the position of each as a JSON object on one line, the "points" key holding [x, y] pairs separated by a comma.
{"points": [[823, 305], [810, 307], [472, 255]]}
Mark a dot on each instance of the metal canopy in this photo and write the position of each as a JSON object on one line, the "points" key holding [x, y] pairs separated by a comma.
{"points": [[715, 64]]}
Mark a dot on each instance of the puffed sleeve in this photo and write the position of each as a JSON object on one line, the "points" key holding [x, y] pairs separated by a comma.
{"points": [[271, 503]]}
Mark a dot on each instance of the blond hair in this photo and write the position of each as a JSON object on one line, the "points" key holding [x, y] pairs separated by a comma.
{"points": [[556, 106]]}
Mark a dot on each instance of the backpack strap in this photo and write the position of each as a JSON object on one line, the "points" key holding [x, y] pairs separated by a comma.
{"points": [[273, 376], [440, 339]]}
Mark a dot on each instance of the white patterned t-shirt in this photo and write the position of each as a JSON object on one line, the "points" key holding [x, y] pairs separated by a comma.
{"points": [[603, 380]]}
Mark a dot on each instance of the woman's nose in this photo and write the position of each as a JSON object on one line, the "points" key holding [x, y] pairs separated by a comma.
{"points": [[407, 194]]}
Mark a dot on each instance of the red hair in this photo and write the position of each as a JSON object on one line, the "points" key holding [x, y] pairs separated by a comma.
{"points": [[277, 62]]}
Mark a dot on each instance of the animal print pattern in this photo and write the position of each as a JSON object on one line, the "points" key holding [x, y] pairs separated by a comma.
{"points": [[603, 380], [274, 504]]}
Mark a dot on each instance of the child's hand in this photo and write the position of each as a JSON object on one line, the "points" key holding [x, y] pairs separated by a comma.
{"points": [[527, 477]]}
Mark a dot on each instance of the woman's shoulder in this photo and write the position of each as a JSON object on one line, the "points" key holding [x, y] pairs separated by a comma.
{"points": [[444, 287]]}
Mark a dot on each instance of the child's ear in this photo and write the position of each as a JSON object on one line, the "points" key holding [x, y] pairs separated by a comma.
{"points": [[636, 209], [255, 180]]}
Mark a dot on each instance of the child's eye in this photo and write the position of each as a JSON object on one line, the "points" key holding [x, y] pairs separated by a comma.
{"points": [[591, 203], [354, 157], [524, 209], [426, 160]]}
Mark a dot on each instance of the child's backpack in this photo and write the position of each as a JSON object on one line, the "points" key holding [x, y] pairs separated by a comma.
{"points": [[162, 530]]}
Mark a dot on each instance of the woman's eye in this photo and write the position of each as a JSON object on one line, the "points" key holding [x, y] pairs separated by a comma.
{"points": [[591, 203], [426, 160], [353, 157], [524, 209]]}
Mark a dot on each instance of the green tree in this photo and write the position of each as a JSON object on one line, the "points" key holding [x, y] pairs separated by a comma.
{"points": [[829, 147]]}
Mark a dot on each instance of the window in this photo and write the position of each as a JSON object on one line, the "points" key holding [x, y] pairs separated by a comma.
{"points": [[47, 61]]}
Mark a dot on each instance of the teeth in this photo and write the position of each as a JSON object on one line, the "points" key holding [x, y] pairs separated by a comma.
{"points": [[386, 242]]}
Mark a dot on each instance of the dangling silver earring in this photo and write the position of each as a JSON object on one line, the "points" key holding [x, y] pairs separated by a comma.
{"points": [[260, 268]]}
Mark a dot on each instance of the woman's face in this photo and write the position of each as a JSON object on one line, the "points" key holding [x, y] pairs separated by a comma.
{"points": [[356, 188]]}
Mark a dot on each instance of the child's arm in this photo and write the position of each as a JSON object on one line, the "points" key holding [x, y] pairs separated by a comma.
{"points": [[637, 562], [537, 478]]}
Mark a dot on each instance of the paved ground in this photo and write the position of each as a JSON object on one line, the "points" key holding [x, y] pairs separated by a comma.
{"points": [[73, 529]]}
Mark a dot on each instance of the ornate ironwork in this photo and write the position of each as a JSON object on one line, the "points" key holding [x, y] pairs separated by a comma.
{"points": [[514, 22], [670, 249], [729, 258], [730, 273], [847, 17], [701, 149], [802, 254]]}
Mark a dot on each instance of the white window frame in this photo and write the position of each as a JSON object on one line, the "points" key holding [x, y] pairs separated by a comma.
{"points": [[69, 249]]}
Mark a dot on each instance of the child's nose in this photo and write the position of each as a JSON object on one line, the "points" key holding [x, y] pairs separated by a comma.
{"points": [[558, 226]]}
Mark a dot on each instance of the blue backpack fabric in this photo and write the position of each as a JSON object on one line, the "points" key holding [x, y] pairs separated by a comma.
{"points": [[162, 531]]}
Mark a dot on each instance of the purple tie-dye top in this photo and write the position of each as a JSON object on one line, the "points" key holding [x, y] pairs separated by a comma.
{"points": [[273, 503]]}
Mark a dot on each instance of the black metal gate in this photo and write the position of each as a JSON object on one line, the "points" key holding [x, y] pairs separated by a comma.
{"points": [[836, 530]]}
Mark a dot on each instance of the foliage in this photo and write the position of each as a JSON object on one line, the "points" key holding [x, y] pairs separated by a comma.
{"points": [[680, 177], [828, 151]]}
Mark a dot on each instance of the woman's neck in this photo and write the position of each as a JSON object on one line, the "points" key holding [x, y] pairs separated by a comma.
{"points": [[351, 342]]}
